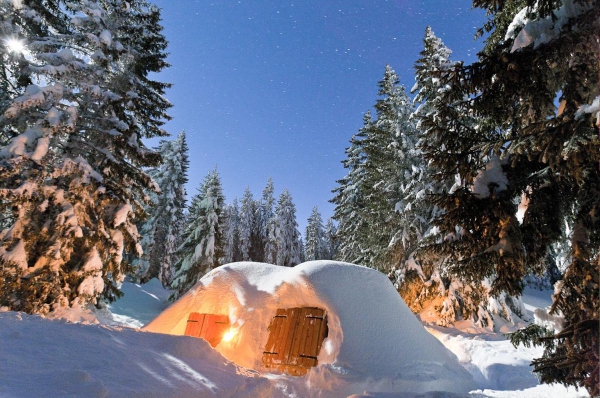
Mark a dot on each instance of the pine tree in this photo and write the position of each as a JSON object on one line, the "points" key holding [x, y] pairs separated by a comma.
{"points": [[72, 154], [161, 233], [286, 233], [203, 239], [315, 248], [536, 55]]}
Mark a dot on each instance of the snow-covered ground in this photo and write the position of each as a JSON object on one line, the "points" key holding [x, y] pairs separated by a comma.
{"points": [[499, 369], [54, 358]]}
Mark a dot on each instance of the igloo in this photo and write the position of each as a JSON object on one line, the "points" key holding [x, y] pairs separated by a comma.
{"points": [[369, 336]]}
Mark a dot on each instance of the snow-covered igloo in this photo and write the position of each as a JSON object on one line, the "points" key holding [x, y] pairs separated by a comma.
{"points": [[372, 339]]}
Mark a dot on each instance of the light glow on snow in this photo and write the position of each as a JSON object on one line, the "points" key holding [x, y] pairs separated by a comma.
{"points": [[229, 335]]}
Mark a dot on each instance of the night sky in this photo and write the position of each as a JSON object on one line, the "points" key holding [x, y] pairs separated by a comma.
{"points": [[273, 88]]}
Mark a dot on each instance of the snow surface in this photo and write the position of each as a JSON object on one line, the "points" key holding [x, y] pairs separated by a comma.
{"points": [[374, 340], [43, 358], [499, 369], [52, 358], [139, 304]]}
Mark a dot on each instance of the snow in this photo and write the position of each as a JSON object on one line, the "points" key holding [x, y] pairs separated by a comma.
{"points": [[543, 30], [66, 54], [374, 340], [121, 214], [18, 146], [523, 205], [106, 37], [43, 357], [492, 174], [140, 303], [499, 369], [94, 263], [41, 148], [494, 364], [540, 391], [593, 108], [53, 117], [93, 283], [17, 254]]}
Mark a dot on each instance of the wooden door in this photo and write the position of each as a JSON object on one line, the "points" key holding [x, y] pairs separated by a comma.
{"points": [[209, 327], [295, 339]]}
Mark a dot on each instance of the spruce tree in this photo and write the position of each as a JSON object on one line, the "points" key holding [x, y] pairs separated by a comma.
{"points": [[404, 164], [251, 238], [421, 274], [383, 151], [315, 247], [330, 237], [161, 233], [269, 223], [203, 241], [246, 226], [72, 154], [380, 160], [349, 199], [286, 232], [537, 55], [301, 250], [232, 252]]}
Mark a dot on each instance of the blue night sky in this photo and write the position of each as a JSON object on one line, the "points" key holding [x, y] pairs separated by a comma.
{"points": [[267, 88]]}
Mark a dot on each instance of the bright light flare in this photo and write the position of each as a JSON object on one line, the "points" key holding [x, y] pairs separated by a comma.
{"points": [[14, 45], [229, 335]]}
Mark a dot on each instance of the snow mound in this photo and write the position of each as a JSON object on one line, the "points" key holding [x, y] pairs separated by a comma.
{"points": [[374, 342]]}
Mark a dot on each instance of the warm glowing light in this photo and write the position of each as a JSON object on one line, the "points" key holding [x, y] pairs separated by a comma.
{"points": [[229, 335], [14, 45]]}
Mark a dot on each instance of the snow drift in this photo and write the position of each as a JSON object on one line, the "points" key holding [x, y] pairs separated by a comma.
{"points": [[374, 341], [43, 358]]}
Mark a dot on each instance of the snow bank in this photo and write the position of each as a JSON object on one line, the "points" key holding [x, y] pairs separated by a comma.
{"points": [[43, 358], [499, 369], [492, 360], [540, 391], [374, 343]]}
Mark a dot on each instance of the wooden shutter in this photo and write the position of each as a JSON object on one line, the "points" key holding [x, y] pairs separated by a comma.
{"points": [[295, 339], [209, 327]]}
